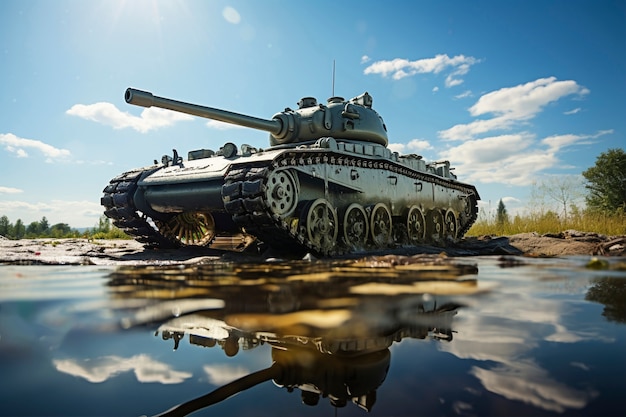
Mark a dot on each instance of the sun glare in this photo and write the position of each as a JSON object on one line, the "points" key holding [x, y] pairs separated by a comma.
{"points": [[146, 13]]}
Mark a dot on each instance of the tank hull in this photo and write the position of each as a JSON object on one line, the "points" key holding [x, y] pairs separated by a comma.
{"points": [[327, 197]]}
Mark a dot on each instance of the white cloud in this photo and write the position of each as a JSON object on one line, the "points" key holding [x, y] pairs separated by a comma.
{"points": [[18, 145], [573, 111], [415, 145], [475, 128], [515, 159], [466, 93], [556, 142], [452, 80], [418, 145], [399, 68], [510, 200], [512, 106], [397, 147], [506, 159], [231, 15], [365, 59], [101, 369], [216, 124], [107, 114], [519, 170], [525, 100], [489, 150], [10, 190]]}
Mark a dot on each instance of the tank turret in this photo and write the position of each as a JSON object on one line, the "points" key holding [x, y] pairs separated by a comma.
{"points": [[352, 119]]}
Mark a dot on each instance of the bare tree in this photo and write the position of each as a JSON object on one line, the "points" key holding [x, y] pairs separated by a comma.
{"points": [[565, 190], [537, 200]]}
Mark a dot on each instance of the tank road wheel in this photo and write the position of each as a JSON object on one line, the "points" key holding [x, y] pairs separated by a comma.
{"points": [[450, 228], [190, 228], [380, 225], [322, 226], [434, 225], [415, 225], [281, 192], [355, 226]]}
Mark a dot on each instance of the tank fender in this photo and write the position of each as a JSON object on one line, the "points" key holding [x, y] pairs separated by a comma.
{"points": [[140, 201]]}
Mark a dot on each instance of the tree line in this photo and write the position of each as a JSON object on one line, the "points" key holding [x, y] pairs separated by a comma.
{"points": [[604, 194], [43, 229]]}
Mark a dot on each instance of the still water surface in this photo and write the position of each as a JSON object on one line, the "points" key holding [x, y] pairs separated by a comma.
{"points": [[377, 337]]}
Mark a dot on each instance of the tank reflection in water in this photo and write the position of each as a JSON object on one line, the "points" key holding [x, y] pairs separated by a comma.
{"points": [[424, 335], [329, 325]]}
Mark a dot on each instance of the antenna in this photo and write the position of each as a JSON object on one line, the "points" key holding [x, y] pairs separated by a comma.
{"points": [[333, 95]]}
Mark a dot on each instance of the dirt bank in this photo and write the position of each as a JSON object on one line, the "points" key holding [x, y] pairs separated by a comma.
{"points": [[117, 252]]}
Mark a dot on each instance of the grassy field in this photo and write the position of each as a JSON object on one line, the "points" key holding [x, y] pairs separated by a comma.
{"points": [[549, 222]]}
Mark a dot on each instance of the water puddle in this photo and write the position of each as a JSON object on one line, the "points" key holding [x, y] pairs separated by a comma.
{"points": [[386, 335]]}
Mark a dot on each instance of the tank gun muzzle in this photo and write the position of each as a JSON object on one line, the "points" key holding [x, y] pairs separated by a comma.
{"points": [[139, 98]]}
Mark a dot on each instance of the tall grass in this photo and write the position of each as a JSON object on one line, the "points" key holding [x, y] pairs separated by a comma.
{"points": [[550, 222], [112, 233]]}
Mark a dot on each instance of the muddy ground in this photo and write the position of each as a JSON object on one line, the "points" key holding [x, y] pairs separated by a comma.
{"points": [[120, 252]]}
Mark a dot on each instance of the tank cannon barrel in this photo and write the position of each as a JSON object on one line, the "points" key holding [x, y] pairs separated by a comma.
{"points": [[147, 99], [354, 119]]}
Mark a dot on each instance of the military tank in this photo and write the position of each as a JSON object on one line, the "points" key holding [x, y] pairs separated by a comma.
{"points": [[327, 184]]}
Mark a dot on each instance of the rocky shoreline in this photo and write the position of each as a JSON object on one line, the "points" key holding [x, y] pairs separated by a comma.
{"points": [[130, 252]]}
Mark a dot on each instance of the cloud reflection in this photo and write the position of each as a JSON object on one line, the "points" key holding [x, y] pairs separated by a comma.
{"points": [[103, 368], [529, 383], [503, 335], [223, 374]]}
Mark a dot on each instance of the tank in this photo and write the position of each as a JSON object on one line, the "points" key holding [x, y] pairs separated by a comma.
{"points": [[326, 184]]}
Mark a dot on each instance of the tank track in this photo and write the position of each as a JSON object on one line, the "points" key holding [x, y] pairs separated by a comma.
{"points": [[243, 196], [119, 206]]}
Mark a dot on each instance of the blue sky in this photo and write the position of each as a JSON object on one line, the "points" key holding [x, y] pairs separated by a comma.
{"points": [[512, 93]]}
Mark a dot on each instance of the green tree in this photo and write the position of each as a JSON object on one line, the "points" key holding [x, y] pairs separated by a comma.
{"points": [[44, 225], [606, 182], [502, 216], [33, 229], [104, 224], [5, 226], [60, 230], [19, 230]]}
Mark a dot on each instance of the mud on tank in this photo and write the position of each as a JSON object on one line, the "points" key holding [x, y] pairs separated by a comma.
{"points": [[327, 184]]}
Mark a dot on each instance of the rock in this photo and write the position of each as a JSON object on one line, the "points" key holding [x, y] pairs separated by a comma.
{"points": [[130, 252]]}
